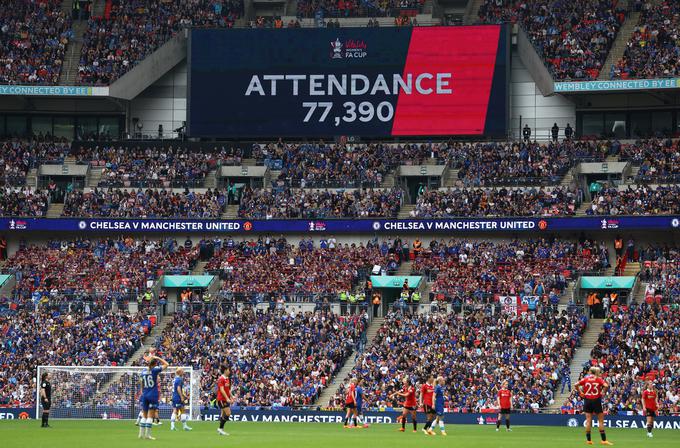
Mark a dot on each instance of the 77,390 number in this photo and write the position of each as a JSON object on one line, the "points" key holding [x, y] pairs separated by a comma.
{"points": [[364, 111]]}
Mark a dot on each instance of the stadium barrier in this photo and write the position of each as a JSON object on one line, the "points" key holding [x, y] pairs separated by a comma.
{"points": [[342, 226], [386, 417]]}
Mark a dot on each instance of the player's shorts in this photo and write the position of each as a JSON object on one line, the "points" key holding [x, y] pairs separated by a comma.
{"points": [[505, 411], [428, 409], [350, 405], [359, 406], [177, 404], [46, 404], [149, 403], [410, 408], [223, 404], [439, 410], [592, 406], [650, 413]]}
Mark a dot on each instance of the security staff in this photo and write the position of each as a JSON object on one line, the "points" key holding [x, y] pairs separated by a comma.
{"points": [[343, 303]]}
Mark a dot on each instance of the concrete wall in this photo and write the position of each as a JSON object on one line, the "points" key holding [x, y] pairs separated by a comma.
{"points": [[164, 102], [536, 110]]}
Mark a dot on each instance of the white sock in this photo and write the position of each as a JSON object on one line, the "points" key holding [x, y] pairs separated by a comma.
{"points": [[149, 425], [140, 416], [184, 420], [360, 420], [173, 418], [441, 425]]}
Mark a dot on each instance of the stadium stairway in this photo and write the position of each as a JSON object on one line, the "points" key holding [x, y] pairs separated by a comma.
{"points": [[32, 178], [405, 210], [346, 369], [405, 268], [210, 180], [69, 69], [54, 210], [568, 292], [451, 178], [472, 12], [199, 268], [388, 181], [94, 175], [231, 212], [619, 45], [581, 356]]}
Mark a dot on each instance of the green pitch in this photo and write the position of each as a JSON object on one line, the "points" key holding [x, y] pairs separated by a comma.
{"points": [[122, 434]]}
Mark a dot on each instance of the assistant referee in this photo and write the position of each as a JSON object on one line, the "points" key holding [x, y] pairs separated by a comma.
{"points": [[45, 399]]}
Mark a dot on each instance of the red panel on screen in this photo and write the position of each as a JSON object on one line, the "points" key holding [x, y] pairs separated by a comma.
{"points": [[468, 53]]}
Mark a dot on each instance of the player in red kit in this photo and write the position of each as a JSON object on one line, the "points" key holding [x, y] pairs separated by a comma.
{"points": [[650, 403], [224, 398], [350, 402], [427, 403], [504, 405], [591, 388], [408, 393]]}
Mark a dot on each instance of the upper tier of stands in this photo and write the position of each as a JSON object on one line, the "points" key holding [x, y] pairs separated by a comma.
{"points": [[573, 38], [133, 29], [33, 39], [652, 51]]}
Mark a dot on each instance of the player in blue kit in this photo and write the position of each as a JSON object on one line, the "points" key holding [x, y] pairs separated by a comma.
{"points": [[150, 395], [179, 399], [358, 417], [439, 405]]}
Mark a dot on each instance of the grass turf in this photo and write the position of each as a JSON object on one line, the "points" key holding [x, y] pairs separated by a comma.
{"points": [[119, 434]]}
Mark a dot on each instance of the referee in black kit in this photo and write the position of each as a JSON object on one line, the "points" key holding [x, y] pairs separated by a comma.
{"points": [[45, 399]]}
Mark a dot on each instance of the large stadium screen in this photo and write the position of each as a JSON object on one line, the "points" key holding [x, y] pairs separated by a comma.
{"points": [[350, 81]]}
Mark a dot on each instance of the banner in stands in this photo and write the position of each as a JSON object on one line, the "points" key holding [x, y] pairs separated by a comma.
{"points": [[333, 226], [415, 81], [616, 84], [53, 90], [387, 417]]}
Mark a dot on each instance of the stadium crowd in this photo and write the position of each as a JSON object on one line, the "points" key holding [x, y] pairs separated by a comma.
{"points": [[132, 29], [496, 202], [33, 39], [573, 38], [31, 339], [636, 200], [659, 159], [472, 271], [94, 269], [300, 203], [474, 353], [24, 201], [522, 163], [660, 270], [639, 343], [652, 51], [273, 266], [154, 166], [17, 157], [116, 203], [276, 358], [358, 8]]}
